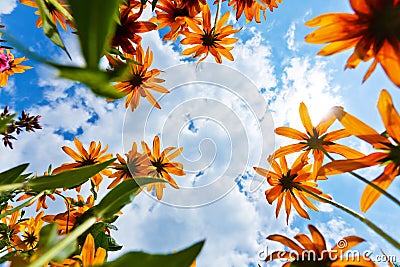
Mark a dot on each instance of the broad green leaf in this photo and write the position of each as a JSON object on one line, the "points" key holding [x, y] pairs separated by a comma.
{"points": [[95, 23], [4, 122], [120, 196], [13, 175], [48, 238], [183, 258], [97, 80], [49, 27], [67, 179]]}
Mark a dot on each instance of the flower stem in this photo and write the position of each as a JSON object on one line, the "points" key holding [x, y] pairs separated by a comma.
{"points": [[217, 13], [71, 237], [23, 205], [359, 177], [9, 187], [354, 214]]}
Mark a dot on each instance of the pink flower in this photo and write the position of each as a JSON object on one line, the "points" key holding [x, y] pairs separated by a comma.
{"points": [[4, 61]]}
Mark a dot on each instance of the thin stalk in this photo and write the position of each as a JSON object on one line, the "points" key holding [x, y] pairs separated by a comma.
{"points": [[71, 237], [23, 205], [351, 212], [217, 14], [359, 177], [68, 211]]}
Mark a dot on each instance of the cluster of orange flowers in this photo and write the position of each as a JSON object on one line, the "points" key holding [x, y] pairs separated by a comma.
{"points": [[23, 234]]}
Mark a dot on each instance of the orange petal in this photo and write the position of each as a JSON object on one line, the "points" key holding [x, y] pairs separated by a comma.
{"points": [[389, 114], [291, 133], [286, 150], [345, 151], [318, 238], [305, 119], [390, 61], [286, 242]]}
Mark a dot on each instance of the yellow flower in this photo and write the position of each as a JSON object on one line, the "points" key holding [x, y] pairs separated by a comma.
{"points": [[372, 31], [388, 155], [31, 229], [309, 252], [85, 158], [10, 65], [55, 15], [91, 257], [209, 39], [14, 228], [161, 165], [137, 164], [288, 184], [315, 139], [140, 80]]}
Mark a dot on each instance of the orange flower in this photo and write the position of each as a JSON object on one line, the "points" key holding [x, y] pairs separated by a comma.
{"points": [[162, 166], [126, 31], [75, 208], [315, 139], [210, 40], [195, 6], [313, 251], [252, 8], [140, 80], [86, 158], [372, 31], [14, 228], [288, 184], [31, 230], [137, 164], [91, 257], [56, 15], [174, 13], [10, 65], [388, 155]]}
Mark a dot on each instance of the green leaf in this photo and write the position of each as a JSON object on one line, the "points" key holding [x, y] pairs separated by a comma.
{"points": [[183, 258], [67, 179], [120, 196], [97, 80], [95, 23], [13, 175], [48, 238], [49, 27], [4, 122]]}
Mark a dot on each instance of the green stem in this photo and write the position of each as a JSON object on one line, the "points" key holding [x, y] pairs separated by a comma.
{"points": [[217, 14], [9, 187], [351, 212], [71, 237], [359, 177], [62, 10], [23, 205]]}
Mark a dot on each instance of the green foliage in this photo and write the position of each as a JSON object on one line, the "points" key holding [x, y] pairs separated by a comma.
{"points": [[67, 179], [13, 175], [182, 258], [48, 238], [49, 27], [4, 122]]}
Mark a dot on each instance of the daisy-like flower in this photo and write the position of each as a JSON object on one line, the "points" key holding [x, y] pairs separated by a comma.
{"points": [[209, 39], [90, 257], [174, 13], [11, 235], [140, 79], [136, 165], [75, 208], [41, 202], [388, 154], [372, 31], [126, 32], [161, 165], [31, 229], [315, 139], [288, 184], [55, 14], [252, 9], [85, 158], [309, 252], [10, 65]]}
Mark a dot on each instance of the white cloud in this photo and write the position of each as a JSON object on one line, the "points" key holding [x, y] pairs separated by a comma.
{"points": [[290, 37], [7, 6]]}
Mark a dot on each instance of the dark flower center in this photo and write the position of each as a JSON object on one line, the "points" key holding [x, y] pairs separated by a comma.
{"points": [[287, 180], [385, 24], [317, 142], [136, 80], [158, 163], [181, 12], [30, 238], [209, 39]]}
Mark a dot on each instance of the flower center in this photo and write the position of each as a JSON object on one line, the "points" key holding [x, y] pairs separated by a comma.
{"points": [[181, 12], [136, 80], [158, 163], [209, 39], [385, 23], [316, 142], [30, 238], [287, 180], [4, 62]]}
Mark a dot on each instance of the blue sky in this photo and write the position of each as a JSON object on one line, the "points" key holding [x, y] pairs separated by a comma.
{"points": [[284, 69]]}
